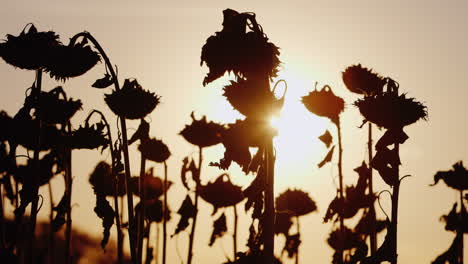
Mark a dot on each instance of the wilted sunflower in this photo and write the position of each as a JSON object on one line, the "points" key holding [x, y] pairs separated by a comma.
{"points": [[29, 50], [153, 186], [71, 61], [296, 202], [221, 193], [391, 110], [6, 123], [88, 137], [246, 54], [252, 99], [202, 133], [54, 110], [324, 103], [131, 102], [154, 150], [457, 178], [104, 182], [361, 80], [153, 210], [345, 239]]}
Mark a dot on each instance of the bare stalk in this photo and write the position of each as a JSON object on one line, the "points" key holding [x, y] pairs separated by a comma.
{"points": [[164, 215], [123, 125], [461, 246], [141, 218], [51, 231], [192, 232], [395, 196], [340, 175], [269, 220], [373, 234], [234, 235], [68, 193], [298, 227]]}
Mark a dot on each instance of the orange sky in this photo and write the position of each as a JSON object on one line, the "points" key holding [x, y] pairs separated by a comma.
{"points": [[421, 44]]}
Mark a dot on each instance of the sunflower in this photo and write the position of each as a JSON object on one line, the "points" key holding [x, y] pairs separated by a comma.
{"points": [[71, 61], [202, 133], [131, 102], [253, 99], [296, 202], [30, 49], [103, 181], [361, 80], [154, 150], [6, 123], [390, 110], [345, 239], [153, 186], [88, 137], [324, 103], [153, 210], [246, 54], [456, 178], [221, 193]]}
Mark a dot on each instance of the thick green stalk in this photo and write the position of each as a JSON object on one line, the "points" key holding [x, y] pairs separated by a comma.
{"points": [[192, 232]]}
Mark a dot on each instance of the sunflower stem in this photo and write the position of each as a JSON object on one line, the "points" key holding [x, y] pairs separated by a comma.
{"points": [[298, 227], [373, 235], [269, 203], [35, 184], [460, 230], [192, 232], [141, 218], [164, 215], [123, 124], [68, 193], [340, 176], [234, 235], [50, 251], [395, 196]]}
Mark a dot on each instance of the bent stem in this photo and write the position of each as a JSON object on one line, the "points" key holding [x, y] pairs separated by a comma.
{"points": [[269, 219], [164, 215], [123, 125], [197, 181]]}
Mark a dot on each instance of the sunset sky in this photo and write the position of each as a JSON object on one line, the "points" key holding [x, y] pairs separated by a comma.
{"points": [[421, 44]]}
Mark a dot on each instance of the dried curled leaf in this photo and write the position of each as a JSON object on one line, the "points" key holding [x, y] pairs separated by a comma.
{"points": [[142, 133], [62, 209], [104, 211], [386, 162], [291, 245], [452, 255], [186, 211], [456, 178], [186, 168], [326, 138], [219, 229], [327, 158], [104, 82]]}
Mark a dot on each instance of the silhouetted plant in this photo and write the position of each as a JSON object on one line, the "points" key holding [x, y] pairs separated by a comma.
{"points": [[456, 178], [361, 80], [292, 204], [242, 48], [392, 111]]}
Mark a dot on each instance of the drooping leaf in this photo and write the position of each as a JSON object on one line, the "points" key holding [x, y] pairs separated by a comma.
{"points": [[142, 132], [104, 211], [326, 138], [104, 82], [452, 254], [291, 245], [386, 252], [327, 158], [186, 211], [219, 229], [456, 178], [62, 209]]}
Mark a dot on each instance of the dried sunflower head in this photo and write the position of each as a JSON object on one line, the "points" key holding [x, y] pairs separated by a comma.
{"points": [[391, 110], [456, 178], [30, 49], [71, 61], [246, 54], [153, 210], [131, 102], [88, 137], [202, 133], [153, 186], [154, 150], [103, 181], [253, 99], [345, 239], [296, 202], [53, 109], [221, 193], [361, 80], [324, 103]]}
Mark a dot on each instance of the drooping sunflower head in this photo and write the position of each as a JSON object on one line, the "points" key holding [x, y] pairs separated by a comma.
{"points": [[202, 133], [296, 202], [155, 150], [88, 137], [30, 49], [131, 102], [324, 103], [71, 61], [221, 193], [391, 110], [361, 80]]}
